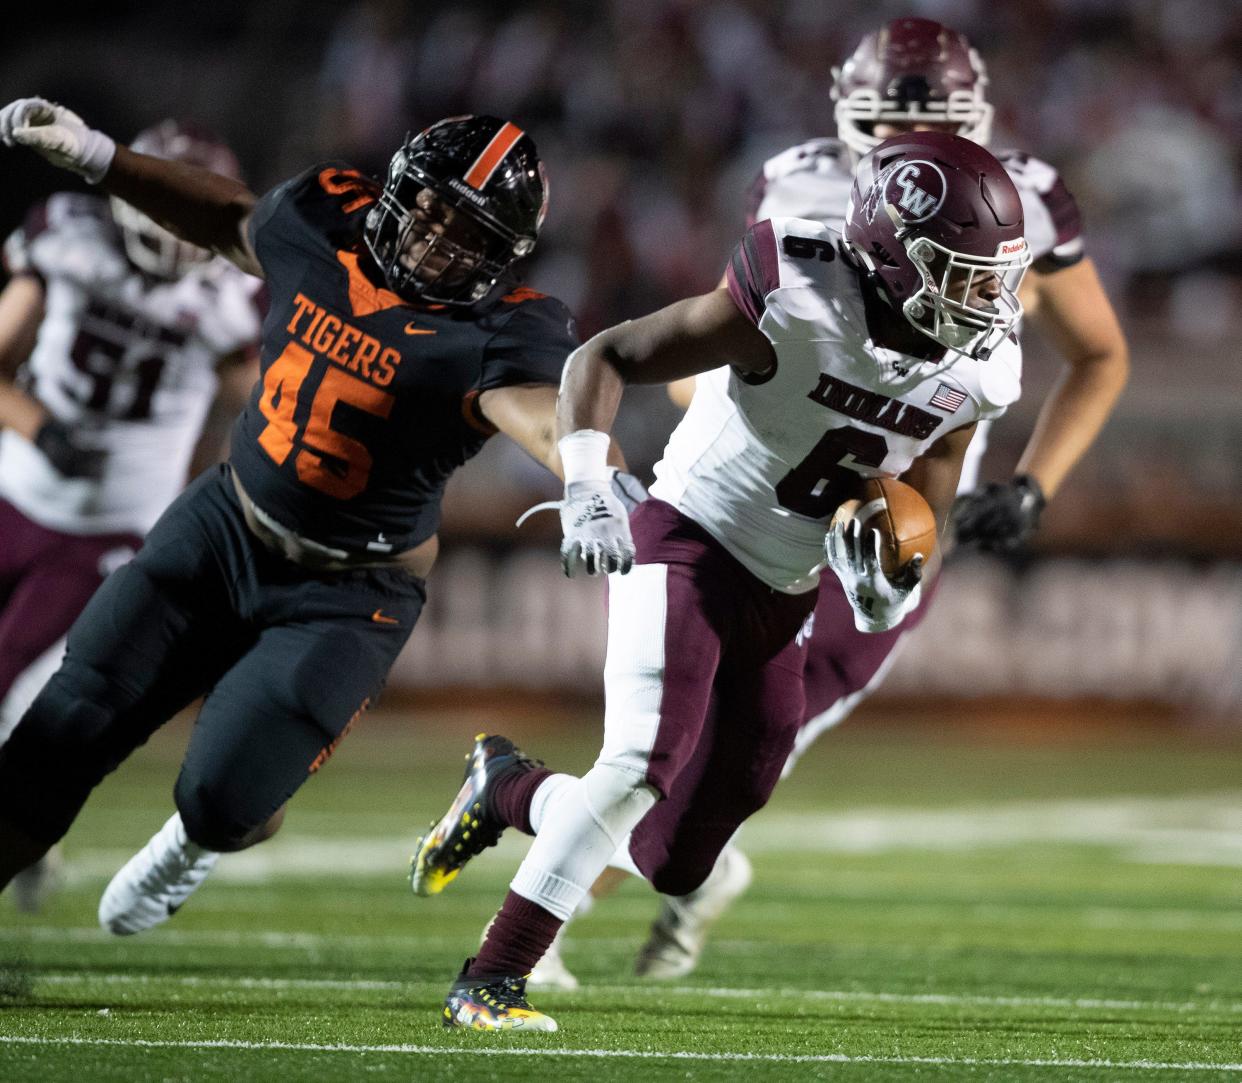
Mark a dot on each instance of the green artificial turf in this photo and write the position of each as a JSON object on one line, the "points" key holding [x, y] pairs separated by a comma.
{"points": [[944, 908]]}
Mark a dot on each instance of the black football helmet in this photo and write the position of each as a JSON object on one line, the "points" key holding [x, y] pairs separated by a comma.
{"points": [[463, 200], [149, 246]]}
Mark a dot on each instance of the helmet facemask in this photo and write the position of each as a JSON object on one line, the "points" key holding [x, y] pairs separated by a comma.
{"points": [[431, 245], [963, 112], [942, 306]]}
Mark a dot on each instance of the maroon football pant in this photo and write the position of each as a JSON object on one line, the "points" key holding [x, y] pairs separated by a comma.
{"points": [[689, 627], [46, 578]]}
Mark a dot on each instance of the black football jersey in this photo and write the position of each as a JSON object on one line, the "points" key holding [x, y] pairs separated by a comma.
{"points": [[367, 402]]}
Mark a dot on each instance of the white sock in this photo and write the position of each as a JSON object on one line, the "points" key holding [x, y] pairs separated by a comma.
{"points": [[622, 860], [548, 793], [591, 818]]}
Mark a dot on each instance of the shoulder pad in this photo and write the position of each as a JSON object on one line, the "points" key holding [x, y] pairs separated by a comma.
{"points": [[1054, 222], [815, 155]]}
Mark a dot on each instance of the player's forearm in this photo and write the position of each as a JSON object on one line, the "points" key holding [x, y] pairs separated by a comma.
{"points": [[1072, 417], [20, 412], [591, 389], [199, 206]]}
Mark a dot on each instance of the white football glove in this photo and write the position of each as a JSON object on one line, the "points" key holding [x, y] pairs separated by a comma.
{"points": [[59, 134], [596, 526], [879, 603]]}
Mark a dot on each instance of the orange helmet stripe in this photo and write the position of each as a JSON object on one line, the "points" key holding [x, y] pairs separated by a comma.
{"points": [[485, 164]]}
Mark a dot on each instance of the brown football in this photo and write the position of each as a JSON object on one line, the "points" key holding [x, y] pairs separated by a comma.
{"points": [[901, 515]]}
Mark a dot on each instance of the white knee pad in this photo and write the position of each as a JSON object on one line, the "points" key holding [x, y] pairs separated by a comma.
{"points": [[579, 835]]}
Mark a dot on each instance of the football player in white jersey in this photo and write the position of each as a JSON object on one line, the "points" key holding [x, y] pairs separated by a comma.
{"points": [[918, 75], [116, 338], [913, 75], [872, 352]]}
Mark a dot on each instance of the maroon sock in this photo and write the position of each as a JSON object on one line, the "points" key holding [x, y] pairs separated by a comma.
{"points": [[519, 936], [511, 795]]}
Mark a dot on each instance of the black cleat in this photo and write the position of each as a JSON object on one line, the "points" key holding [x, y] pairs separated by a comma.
{"points": [[469, 827], [492, 1004]]}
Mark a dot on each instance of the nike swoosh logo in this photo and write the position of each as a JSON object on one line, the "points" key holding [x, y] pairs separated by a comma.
{"points": [[379, 618], [410, 329]]}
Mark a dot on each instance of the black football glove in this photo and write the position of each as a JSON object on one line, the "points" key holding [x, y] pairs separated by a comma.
{"points": [[1001, 516], [56, 440], [628, 489]]}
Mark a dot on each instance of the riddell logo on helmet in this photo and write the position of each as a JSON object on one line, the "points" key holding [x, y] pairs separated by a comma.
{"points": [[465, 190], [1011, 248]]}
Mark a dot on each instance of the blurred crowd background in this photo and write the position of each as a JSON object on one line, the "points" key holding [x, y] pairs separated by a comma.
{"points": [[653, 116]]}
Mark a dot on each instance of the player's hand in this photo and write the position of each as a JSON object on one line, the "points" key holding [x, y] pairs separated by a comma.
{"points": [[59, 134], [596, 526], [879, 603], [1001, 516], [56, 440]]}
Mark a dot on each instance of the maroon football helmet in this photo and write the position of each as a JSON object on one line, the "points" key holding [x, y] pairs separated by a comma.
{"points": [[150, 247], [934, 216], [911, 71]]}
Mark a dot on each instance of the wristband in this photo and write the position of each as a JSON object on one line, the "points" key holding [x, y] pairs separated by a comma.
{"points": [[584, 456]]}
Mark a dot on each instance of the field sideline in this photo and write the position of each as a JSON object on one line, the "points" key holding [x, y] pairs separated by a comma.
{"points": [[948, 908]]}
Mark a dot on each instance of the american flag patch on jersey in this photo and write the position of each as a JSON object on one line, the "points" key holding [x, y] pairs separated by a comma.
{"points": [[947, 398]]}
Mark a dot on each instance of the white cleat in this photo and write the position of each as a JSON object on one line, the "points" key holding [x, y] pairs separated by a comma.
{"points": [[33, 886], [679, 933], [551, 972], [153, 884]]}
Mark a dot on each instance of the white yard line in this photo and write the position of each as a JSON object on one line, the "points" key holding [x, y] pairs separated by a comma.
{"points": [[1188, 829], [718, 993], [637, 1054]]}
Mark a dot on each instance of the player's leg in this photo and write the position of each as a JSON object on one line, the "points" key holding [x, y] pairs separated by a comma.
{"points": [[34, 885], [665, 628], [53, 589], [683, 845], [151, 639], [269, 723]]}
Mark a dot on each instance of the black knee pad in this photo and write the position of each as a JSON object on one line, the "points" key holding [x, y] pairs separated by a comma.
{"points": [[206, 816]]}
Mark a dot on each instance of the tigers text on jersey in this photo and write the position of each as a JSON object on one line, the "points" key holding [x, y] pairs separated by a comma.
{"points": [[367, 402], [813, 180], [763, 464], [127, 360]]}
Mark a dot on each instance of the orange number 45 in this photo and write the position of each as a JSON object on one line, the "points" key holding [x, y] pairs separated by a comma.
{"points": [[281, 384]]}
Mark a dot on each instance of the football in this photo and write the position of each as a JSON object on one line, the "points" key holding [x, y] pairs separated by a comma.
{"points": [[901, 515]]}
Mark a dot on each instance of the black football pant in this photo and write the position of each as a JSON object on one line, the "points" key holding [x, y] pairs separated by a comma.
{"points": [[286, 658]]}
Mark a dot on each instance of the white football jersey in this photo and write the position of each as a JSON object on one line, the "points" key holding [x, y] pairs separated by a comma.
{"points": [[763, 464], [813, 180], [127, 361]]}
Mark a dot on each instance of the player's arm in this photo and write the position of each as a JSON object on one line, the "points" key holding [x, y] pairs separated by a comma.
{"points": [[1074, 313], [197, 205], [526, 413], [1071, 309], [681, 340], [935, 474], [684, 339], [21, 310]]}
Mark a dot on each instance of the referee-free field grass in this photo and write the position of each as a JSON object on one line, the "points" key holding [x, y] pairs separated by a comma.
{"points": [[929, 903]]}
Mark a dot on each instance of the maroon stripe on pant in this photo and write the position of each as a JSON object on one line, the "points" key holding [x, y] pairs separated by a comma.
{"points": [[730, 641]]}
